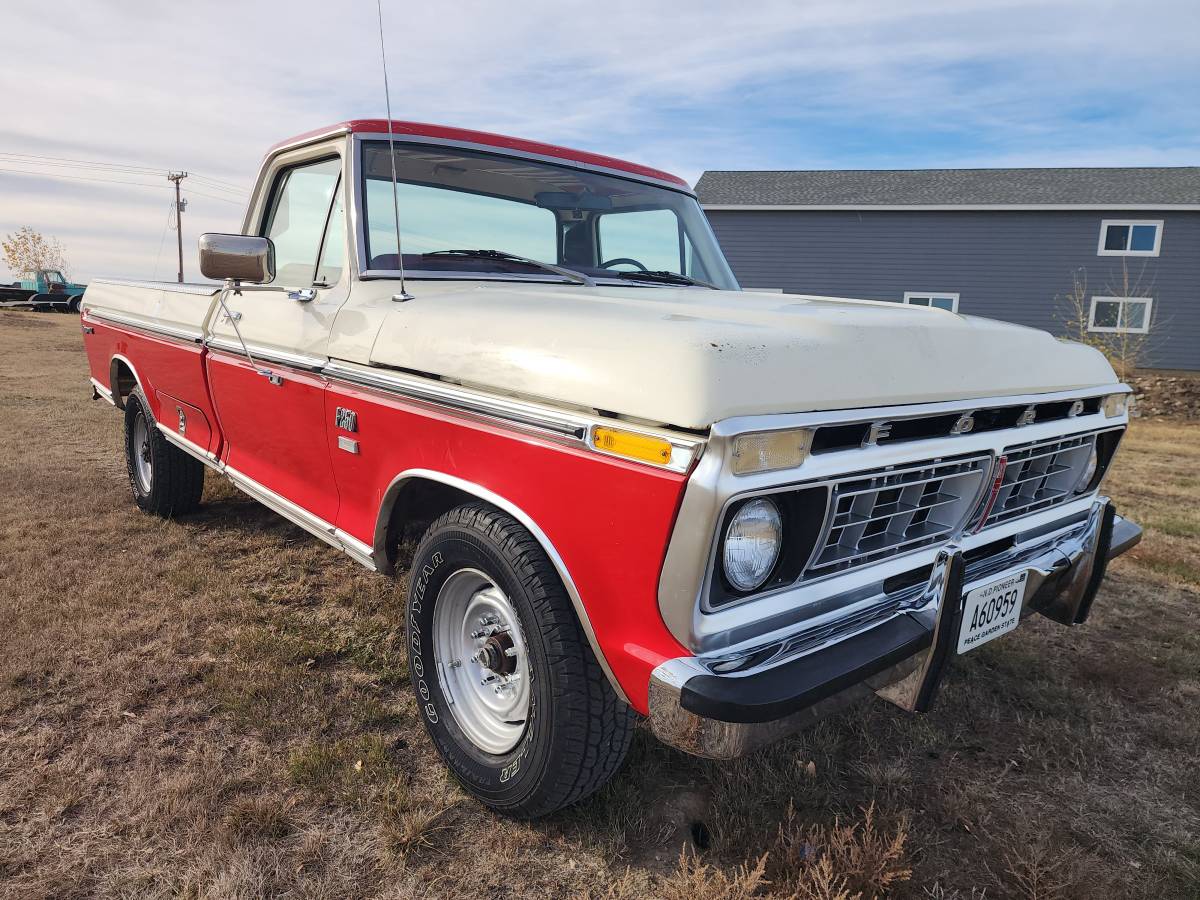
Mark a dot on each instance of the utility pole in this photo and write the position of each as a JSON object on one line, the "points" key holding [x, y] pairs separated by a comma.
{"points": [[180, 206]]}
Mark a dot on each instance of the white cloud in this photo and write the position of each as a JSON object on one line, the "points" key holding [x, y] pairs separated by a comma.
{"points": [[208, 87]]}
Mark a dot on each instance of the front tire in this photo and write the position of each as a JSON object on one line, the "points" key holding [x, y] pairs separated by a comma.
{"points": [[508, 687], [165, 480]]}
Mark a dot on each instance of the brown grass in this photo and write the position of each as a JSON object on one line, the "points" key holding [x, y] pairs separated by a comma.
{"points": [[218, 707]]}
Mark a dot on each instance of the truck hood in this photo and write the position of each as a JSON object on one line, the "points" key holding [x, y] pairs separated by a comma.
{"points": [[690, 357]]}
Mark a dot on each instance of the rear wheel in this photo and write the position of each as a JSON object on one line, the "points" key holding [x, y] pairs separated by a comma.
{"points": [[508, 687], [165, 480]]}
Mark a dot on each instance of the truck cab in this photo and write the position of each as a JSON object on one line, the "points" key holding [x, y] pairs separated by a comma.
{"points": [[44, 289], [634, 489]]}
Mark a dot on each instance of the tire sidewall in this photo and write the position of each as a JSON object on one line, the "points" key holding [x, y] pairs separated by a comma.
{"points": [[501, 780], [136, 405]]}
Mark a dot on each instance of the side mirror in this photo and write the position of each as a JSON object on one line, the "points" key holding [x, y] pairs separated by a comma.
{"points": [[237, 256]]}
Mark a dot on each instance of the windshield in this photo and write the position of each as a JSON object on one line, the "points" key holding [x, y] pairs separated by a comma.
{"points": [[595, 224]]}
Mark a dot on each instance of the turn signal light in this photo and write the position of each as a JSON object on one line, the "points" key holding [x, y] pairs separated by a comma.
{"points": [[633, 446], [1115, 405], [765, 451]]}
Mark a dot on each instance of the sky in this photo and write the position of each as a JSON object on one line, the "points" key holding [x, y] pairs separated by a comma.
{"points": [[208, 87]]}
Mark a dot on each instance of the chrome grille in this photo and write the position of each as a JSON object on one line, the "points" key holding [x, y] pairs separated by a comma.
{"points": [[883, 513], [1040, 475]]}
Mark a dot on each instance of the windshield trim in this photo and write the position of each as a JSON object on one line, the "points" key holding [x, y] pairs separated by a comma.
{"points": [[526, 277], [357, 221], [358, 137]]}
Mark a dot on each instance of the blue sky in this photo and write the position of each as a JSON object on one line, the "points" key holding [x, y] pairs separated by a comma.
{"points": [[682, 86]]}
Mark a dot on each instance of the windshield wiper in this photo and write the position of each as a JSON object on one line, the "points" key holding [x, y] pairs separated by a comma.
{"points": [[664, 277], [572, 274]]}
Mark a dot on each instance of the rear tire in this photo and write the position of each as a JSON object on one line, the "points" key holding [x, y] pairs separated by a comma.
{"points": [[165, 480], [485, 603]]}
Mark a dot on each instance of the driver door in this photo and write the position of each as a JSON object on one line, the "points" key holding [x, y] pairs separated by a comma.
{"points": [[270, 400]]}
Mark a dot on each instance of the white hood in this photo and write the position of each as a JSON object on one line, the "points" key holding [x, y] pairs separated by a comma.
{"points": [[690, 357]]}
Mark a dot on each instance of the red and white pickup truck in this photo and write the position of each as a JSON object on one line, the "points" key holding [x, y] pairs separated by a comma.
{"points": [[638, 489]]}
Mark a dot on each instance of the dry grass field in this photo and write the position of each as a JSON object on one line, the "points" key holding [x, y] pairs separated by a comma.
{"points": [[218, 707]]}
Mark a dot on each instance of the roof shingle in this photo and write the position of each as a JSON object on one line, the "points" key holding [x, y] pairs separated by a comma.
{"points": [[954, 187]]}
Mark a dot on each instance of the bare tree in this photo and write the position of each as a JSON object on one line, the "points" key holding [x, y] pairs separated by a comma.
{"points": [[1125, 349], [27, 250]]}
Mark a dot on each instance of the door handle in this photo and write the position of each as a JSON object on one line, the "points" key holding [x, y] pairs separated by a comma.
{"points": [[232, 316], [303, 295], [272, 377]]}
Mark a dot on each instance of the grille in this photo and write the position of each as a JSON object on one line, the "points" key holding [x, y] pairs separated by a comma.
{"points": [[1039, 476], [883, 513]]}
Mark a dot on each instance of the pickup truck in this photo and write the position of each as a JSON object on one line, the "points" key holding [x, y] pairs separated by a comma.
{"points": [[633, 489], [45, 289]]}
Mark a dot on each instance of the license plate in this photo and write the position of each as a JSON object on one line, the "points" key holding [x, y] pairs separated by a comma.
{"points": [[992, 610]]}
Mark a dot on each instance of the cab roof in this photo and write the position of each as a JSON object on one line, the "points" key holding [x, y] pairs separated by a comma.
{"points": [[485, 138]]}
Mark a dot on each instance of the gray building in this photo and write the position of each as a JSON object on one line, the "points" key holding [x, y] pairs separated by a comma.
{"points": [[1012, 244]]}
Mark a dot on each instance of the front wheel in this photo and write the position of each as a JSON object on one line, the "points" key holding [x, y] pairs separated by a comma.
{"points": [[508, 687]]}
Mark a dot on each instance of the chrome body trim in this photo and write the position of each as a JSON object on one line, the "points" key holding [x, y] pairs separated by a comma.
{"points": [[384, 520], [559, 424], [172, 287], [712, 485], [573, 428], [154, 328], [1061, 565], [102, 392], [189, 447], [118, 400], [300, 516], [267, 354]]}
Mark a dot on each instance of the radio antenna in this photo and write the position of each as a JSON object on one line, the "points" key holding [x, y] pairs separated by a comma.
{"points": [[387, 97]]}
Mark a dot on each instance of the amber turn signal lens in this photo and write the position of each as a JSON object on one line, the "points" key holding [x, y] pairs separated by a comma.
{"points": [[634, 446]]}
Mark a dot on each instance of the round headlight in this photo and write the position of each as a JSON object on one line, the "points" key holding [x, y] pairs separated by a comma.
{"points": [[752, 544], [1089, 471]]}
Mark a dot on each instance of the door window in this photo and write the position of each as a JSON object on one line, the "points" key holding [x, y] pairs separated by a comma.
{"points": [[333, 250], [297, 219]]}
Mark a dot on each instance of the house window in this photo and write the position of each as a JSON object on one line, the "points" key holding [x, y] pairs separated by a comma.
{"points": [[1120, 314], [1129, 237], [948, 302]]}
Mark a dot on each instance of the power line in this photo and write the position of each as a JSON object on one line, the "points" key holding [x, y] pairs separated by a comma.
{"points": [[217, 181], [76, 177], [87, 162], [115, 168], [113, 181]]}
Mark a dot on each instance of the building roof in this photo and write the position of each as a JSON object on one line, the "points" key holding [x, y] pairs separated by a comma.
{"points": [[1109, 188], [401, 130]]}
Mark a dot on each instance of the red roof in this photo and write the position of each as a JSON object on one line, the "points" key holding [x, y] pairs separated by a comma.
{"points": [[466, 135]]}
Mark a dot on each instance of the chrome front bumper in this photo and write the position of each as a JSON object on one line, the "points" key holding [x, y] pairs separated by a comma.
{"points": [[722, 715]]}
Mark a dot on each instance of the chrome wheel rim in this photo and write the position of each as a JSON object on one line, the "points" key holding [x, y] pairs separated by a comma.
{"points": [[482, 663], [141, 452]]}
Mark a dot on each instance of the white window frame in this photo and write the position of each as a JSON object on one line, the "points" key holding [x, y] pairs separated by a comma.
{"points": [[1120, 329], [933, 295], [1158, 230]]}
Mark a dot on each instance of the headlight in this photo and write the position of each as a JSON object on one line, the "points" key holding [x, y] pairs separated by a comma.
{"points": [[752, 543], [1089, 471]]}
